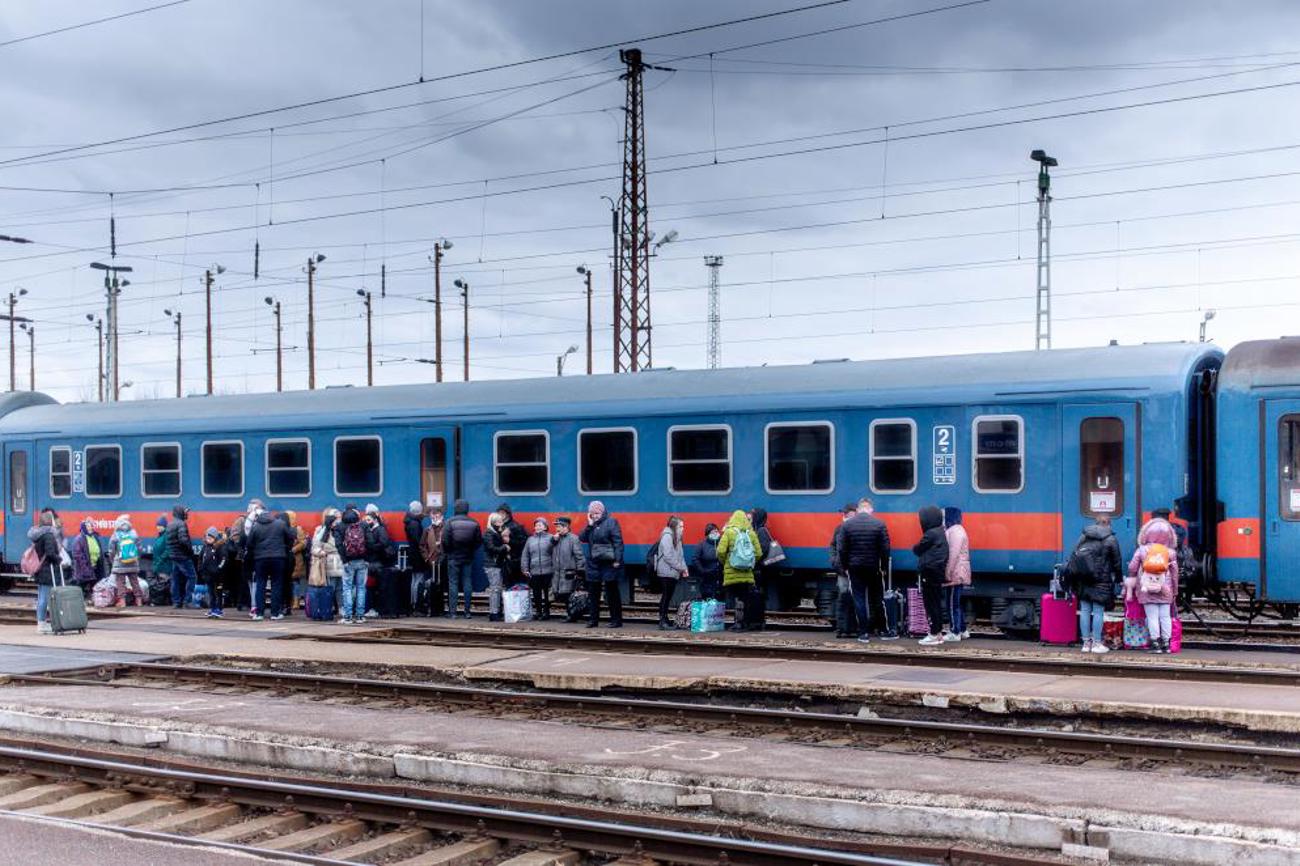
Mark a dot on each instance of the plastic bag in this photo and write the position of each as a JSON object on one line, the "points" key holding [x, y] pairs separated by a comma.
{"points": [[707, 616], [517, 605], [104, 593]]}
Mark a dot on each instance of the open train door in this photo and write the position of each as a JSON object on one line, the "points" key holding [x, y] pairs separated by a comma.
{"points": [[1279, 580], [1101, 470], [440, 480]]}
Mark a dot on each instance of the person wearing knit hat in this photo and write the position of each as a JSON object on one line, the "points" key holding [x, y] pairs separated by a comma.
{"points": [[416, 565], [162, 559], [372, 508], [538, 566]]}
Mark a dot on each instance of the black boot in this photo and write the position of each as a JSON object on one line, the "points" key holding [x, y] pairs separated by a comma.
{"points": [[665, 625]]}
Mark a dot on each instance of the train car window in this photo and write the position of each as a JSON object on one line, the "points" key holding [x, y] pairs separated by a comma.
{"points": [[607, 461], [103, 471], [522, 462], [288, 467], [433, 472], [223, 468], [699, 460], [1288, 466], [160, 469], [60, 472], [358, 466], [18, 482], [999, 454], [893, 455], [800, 457], [1101, 466]]}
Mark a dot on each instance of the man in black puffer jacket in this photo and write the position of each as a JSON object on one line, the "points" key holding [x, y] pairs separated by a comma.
{"points": [[461, 539], [864, 554], [269, 544], [181, 551]]}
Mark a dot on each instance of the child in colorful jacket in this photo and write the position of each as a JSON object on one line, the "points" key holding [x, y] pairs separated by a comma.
{"points": [[1156, 591]]}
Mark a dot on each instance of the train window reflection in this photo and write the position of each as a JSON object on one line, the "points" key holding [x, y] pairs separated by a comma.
{"points": [[893, 456], [999, 454], [358, 466], [522, 463], [1101, 466], [1288, 466], [800, 458], [699, 460], [607, 461], [103, 470]]}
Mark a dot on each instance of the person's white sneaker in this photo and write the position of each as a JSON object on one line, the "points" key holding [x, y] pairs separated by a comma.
{"points": [[1087, 647], [1100, 648], [257, 617], [44, 628], [950, 637], [277, 616], [965, 634], [345, 620], [931, 640]]}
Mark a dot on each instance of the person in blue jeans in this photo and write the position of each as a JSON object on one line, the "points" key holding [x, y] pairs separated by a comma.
{"points": [[462, 540], [354, 544], [1095, 566], [180, 550]]}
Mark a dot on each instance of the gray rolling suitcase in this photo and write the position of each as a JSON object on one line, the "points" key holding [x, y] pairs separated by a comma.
{"points": [[67, 606]]}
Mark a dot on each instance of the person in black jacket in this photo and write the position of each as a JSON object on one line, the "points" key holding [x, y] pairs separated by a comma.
{"points": [[604, 539], [517, 537], [413, 529], [181, 552], [269, 543], [353, 541], [706, 564], [45, 541], [1097, 558], [212, 569], [462, 538], [932, 566], [864, 554]]}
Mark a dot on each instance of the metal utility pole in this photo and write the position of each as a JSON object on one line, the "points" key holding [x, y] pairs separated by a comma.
{"points": [[1043, 319], [176, 320], [370, 346], [207, 300], [616, 278], [312, 262], [112, 289], [99, 356], [463, 285], [438, 249], [586, 272], [30, 329], [714, 264], [633, 351], [13, 301], [279, 354]]}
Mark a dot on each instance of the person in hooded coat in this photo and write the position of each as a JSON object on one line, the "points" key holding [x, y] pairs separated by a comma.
{"points": [[1156, 601], [707, 566], [737, 580], [1098, 549], [932, 566], [87, 551], [758, 520], [958, 574], [45, 540], [126, 573]]}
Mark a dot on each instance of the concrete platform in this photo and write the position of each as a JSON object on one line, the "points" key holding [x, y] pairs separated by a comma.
{"points": [[1146, 815], [33, 660], [30, 840], [1258, 707]]}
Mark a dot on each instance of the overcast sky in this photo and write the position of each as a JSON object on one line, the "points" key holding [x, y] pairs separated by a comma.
{"points": [[835, 243]]}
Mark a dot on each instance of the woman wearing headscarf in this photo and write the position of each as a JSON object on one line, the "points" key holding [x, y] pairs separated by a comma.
{"points": [[604, 539], [124, 560], [87, 551], [670, 566]]}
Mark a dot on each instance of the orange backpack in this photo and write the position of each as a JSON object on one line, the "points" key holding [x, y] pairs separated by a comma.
{"points": [[1157, 560]]}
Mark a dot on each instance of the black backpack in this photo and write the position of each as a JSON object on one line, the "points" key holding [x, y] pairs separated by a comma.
{"points": [[1079, 569]]}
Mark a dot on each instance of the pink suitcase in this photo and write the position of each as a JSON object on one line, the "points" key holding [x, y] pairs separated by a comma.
{"points": [[1060, 620], [917, 623]]}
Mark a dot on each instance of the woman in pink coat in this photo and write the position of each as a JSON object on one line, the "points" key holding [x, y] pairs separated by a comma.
{"points": [[1155, 592], [957, 577]]}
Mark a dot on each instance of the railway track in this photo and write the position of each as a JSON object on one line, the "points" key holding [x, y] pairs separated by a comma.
{"points": [[990, 742], [522, 639], [308, 821]]}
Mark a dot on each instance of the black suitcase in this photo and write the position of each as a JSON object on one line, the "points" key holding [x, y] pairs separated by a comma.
{"points": [[753, 609], [895, 604], [390, 597]]}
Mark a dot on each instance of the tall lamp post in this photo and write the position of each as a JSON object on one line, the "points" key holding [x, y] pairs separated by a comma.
{"points": [[279, 354], [99, 332], [1205, 320], [112, 290], [30, 329], [176, 320], [586, 272], [463, 285], [13, 301], [559, 360], [370, 346], [312, 262], [438, 249]]}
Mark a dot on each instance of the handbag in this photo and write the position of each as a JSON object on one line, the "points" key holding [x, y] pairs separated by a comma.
{"points": [[1136, 635], [775, 553]]}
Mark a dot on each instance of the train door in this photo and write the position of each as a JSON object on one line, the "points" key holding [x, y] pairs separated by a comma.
{"points": [[1101, 469], [1280, 500], [18, 468], [439, 467]]}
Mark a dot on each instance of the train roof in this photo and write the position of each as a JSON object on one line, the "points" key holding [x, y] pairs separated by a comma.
{"points": [[977, 378], [1261, 364]]}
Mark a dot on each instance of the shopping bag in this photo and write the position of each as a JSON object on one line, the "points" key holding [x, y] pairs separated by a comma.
{"points": [[707, 616], [1136, 635], [1112, 631], [104, 593], [518, 605], [1176, 635]]}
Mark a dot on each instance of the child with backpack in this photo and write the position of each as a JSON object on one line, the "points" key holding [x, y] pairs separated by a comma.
{"points": [[124, 554], [1153, 580], [738, 553]]}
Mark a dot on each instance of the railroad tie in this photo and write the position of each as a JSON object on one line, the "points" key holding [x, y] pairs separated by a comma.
{"points": [[203, 819], [39, 795], [141, 811], [267, 824], [84, 805], [463, 853], [10, 784], [318, 836], [543, 858], [384, 845]]}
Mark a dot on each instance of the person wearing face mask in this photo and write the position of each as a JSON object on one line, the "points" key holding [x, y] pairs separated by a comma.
{"points": [[707, 566], [670, 566], [431, 552], [604, 539], [567, 559]]}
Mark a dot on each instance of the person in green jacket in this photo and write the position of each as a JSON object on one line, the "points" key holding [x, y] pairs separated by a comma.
{"points": [[738, 553], [162, 559]]}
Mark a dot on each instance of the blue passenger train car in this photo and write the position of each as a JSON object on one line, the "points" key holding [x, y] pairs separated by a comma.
{"points": [[1030, 445]]}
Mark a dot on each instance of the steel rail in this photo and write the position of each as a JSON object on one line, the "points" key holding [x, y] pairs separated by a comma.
{"points": [[832, 724]]}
